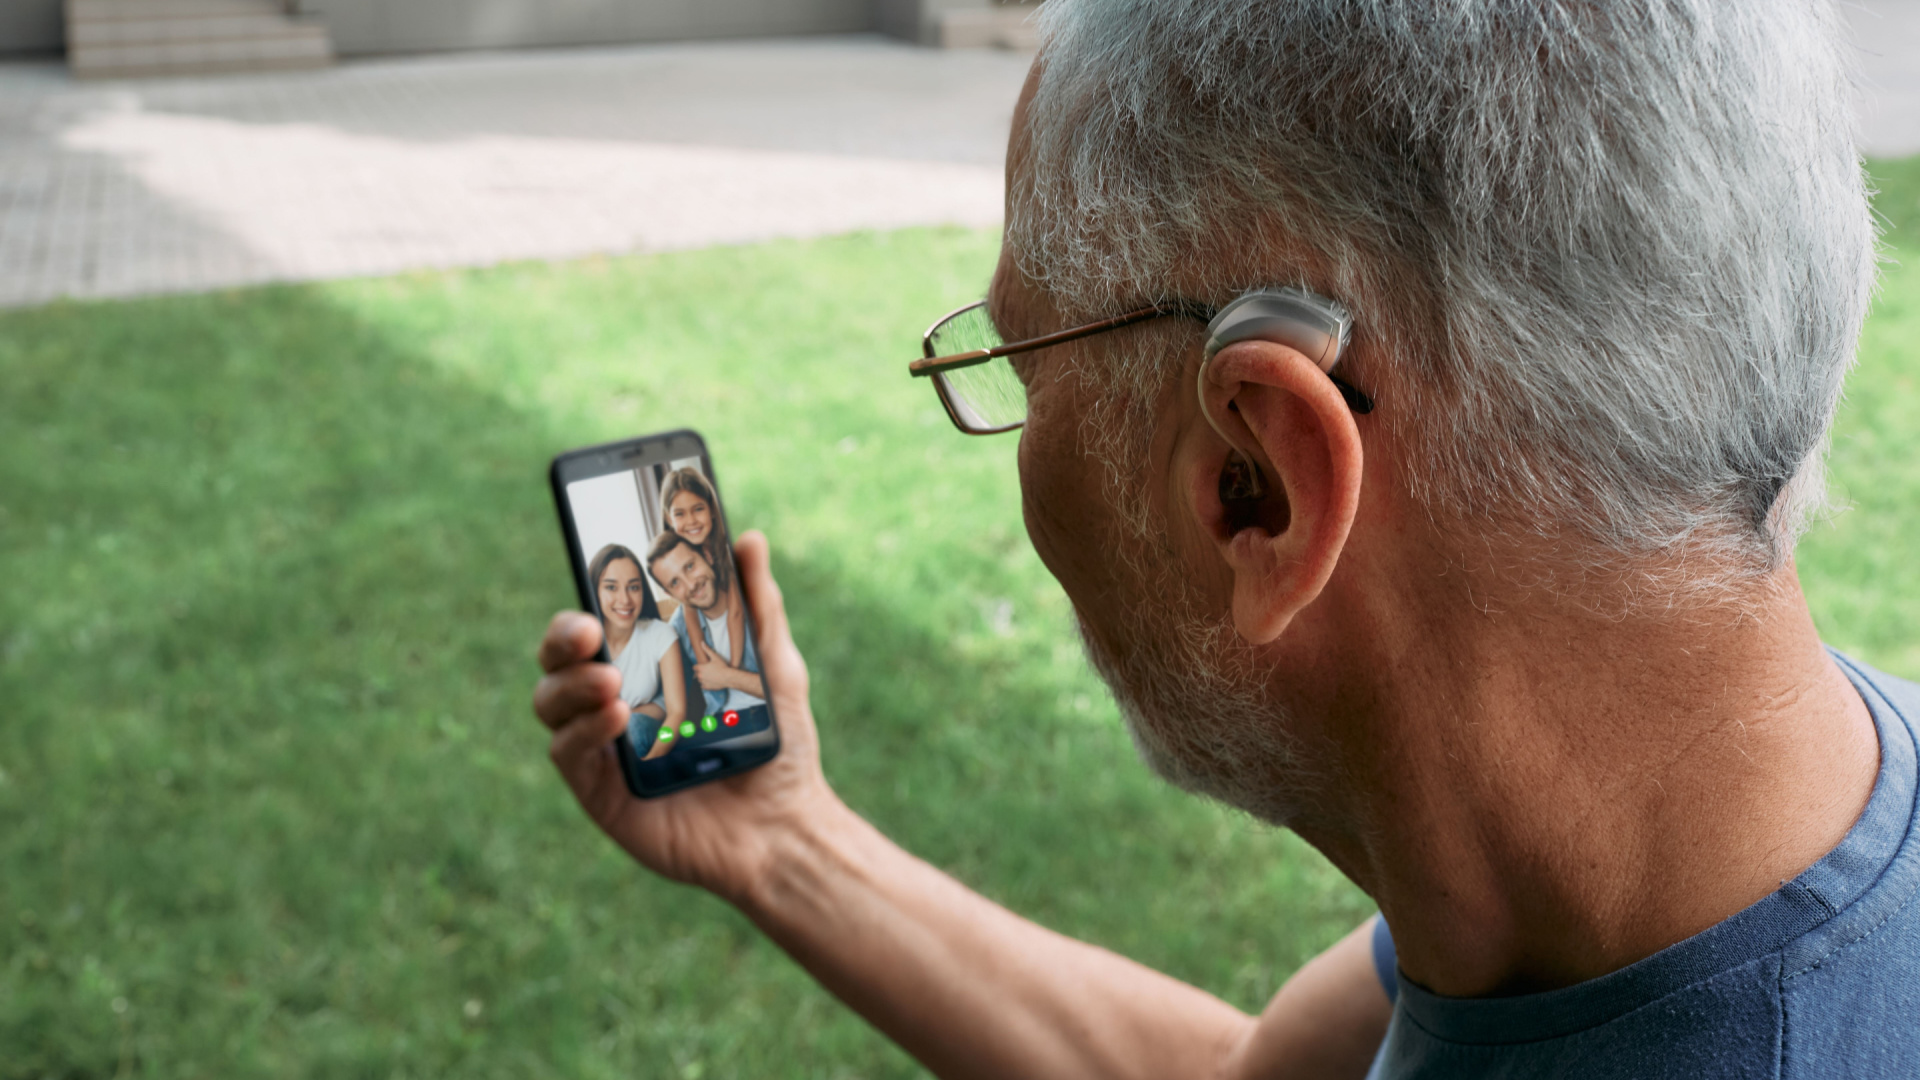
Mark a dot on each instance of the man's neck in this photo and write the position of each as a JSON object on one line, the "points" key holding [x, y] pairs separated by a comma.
{"points": [[718, 612], [1541, 796]]}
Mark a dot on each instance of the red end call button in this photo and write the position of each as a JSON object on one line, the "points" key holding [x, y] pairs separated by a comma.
{"points": [[730, 718]]}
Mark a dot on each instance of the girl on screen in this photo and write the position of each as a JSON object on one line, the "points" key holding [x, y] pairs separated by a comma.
{"points": [[643, 647], [688, 506]]}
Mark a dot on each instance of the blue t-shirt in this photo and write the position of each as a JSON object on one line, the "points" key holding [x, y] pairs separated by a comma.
{"points": [[1820, 979]]}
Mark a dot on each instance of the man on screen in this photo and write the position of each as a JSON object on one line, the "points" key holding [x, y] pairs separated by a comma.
{"points": [[684, 572]]}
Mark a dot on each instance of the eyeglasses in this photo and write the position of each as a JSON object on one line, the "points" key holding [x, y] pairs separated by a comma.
{"points": [[966, 358]]}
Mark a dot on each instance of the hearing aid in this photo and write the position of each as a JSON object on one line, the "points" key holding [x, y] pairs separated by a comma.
{"points": [[1314, 325]]}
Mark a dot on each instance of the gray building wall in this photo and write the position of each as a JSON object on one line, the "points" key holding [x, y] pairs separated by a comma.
{"points": [[361, 27], [31, 26], [917, 20]]}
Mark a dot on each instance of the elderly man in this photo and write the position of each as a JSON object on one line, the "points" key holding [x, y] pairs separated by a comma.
{"points": [[1490, 599]]}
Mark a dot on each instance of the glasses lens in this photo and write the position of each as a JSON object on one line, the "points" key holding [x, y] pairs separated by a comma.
{"points": [[988, 396], [963, 331]]}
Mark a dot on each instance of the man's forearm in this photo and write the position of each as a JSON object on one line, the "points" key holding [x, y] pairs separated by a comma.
{"points": [[966, 986], [717, 676], [747, 682]]}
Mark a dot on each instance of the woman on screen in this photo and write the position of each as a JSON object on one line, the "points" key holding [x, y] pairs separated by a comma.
{"points": [[644, 648], [688, 506]]}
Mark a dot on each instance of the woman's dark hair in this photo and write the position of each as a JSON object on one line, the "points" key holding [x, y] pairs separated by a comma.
{"points": [[714, 548], [597, 569]]}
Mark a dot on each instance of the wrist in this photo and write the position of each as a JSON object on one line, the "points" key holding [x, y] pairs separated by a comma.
{"points": [[810, 849]]}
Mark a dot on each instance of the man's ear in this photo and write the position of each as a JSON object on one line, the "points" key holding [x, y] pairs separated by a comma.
{"points": [[1282, 533]]}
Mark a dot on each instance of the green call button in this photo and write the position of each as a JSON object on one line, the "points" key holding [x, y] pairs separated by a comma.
{"points": [[708, 723]]}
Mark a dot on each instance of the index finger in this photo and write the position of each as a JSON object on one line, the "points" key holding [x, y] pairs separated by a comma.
{"points": [[571, 637]]}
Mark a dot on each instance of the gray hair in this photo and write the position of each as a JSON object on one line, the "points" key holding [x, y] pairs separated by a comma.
{"points": [[1607, 261]]}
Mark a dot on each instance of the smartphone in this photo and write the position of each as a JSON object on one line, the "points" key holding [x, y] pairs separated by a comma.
{"points": [[652, 558]]}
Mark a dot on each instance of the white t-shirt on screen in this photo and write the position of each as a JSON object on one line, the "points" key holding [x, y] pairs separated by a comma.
{"points": [[639, 662]]}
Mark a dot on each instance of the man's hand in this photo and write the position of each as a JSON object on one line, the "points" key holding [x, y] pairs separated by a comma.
{"points": [[716, 674], [717, 835], [964, 985]]}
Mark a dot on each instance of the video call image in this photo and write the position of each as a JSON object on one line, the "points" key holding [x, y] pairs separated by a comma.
{"points": [[655, 542]]}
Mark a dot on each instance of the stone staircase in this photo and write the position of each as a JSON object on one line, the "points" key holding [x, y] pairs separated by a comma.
{"points": [[129, 38]]}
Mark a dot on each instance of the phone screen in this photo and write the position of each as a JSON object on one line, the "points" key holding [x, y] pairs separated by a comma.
{"points": [[654, 562]]}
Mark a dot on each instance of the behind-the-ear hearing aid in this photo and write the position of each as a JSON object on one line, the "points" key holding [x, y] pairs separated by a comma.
{"points": [[1316, 326]]}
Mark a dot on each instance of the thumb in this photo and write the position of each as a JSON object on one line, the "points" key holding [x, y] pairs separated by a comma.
{"points": [[777, 652]]}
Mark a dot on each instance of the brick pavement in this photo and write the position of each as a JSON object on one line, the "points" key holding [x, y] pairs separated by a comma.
{"points": [[137, 187]]}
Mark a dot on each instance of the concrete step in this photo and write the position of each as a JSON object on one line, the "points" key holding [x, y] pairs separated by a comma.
{"points": [[198, 56], [89, 32], [123, 38], [149, 9]]}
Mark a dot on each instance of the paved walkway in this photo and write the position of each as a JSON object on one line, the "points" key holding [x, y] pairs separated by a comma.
{"points": [[129, 188]]}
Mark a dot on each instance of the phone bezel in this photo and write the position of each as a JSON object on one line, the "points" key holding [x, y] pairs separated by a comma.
{"points": [[650, 780]]}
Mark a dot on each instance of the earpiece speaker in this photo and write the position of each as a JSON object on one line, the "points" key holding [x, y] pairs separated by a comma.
{"points": [[1315, 325]]}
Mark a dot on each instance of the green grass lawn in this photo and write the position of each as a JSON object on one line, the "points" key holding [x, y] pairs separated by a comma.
{"points": [[1858, 566], [271, 801]]}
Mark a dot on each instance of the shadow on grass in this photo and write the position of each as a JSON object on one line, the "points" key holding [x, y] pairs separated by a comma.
{"points": [[271, 798]]}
